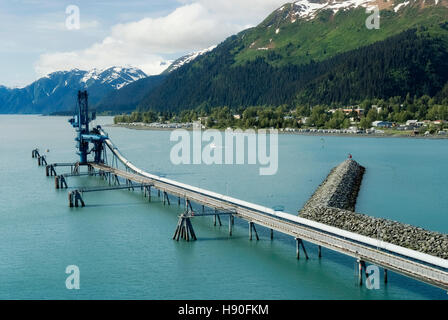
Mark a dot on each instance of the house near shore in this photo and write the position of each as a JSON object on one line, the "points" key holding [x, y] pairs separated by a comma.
{"points": [[349, 110], [382, 124], [414, 123]]}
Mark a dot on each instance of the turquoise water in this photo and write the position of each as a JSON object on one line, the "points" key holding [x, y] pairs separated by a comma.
{"points": [[122, 244]]}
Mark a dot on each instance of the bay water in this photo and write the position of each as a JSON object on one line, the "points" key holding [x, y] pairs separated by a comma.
{"points": [[123, 245]]}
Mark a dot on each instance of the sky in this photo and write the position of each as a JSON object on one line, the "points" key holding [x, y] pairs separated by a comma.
{"points": [[42, 36]]}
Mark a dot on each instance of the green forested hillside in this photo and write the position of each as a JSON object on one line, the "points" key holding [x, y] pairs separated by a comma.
{"points": [[127, 98], [414, 62], [331, 59]]}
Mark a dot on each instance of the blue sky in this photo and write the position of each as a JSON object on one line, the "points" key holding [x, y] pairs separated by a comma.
{"points": [[36, 41]]}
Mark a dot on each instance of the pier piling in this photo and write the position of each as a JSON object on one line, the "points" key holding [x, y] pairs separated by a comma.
{"points": [[230, 224], [299, 243], [184, 229], [252, 228], [361, 266]]}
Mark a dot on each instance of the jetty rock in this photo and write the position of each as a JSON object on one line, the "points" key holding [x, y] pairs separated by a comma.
{"points": [[334, 202]]}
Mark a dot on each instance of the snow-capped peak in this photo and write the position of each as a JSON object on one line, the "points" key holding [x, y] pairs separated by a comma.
{"points": [[117, 77], [188, 58], [308, 10]]}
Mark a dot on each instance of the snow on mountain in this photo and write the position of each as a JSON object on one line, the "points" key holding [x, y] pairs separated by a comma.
{"points": [[404, 4], [116, 77], [187, 59], [305, 9], [57, 91]]}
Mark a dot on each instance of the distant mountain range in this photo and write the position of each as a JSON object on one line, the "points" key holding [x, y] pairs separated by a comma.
{"points": [[57, 91]]}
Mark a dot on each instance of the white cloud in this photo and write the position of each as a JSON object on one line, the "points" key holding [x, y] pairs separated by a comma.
{"points": [[47, 25], [193, 26]]}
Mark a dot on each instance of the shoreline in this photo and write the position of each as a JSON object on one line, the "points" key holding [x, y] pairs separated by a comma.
{"points": [[317, 134]]}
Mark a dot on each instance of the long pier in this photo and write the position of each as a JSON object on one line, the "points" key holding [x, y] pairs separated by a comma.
{"points": [[417, 265], [317, 234], [411, 263]]}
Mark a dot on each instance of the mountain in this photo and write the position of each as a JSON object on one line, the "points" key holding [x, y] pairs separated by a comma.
{"points": [[312, 52], [128, 98], [186, 59], [57, 91]]}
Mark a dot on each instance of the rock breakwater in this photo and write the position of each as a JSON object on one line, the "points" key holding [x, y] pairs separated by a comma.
{"points": [[333, 204]]}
